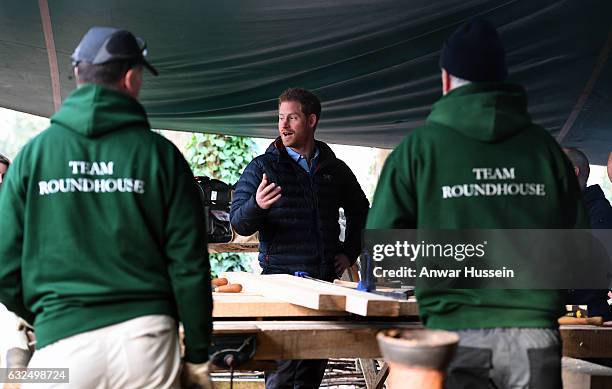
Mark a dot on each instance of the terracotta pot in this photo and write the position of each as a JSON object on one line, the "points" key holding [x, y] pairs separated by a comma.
{"points": [[417, 358]]}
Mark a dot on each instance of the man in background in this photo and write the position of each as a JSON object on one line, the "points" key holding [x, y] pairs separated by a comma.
{"points": [[508, 338], [292, 195], [600, 217], [103, 245]]}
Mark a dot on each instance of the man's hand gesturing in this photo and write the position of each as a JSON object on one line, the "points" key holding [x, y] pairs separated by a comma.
{"points": [[267, 193]]}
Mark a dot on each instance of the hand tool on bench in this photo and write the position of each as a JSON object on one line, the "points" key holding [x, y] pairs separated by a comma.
{"points": [[386, 287], [231, 351], [400, 295], [367, 282]]}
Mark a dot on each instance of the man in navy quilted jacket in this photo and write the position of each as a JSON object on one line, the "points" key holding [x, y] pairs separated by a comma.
{"points": [[600, 217], [292, 195]]}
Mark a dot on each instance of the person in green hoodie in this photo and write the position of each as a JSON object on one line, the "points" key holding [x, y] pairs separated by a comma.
{"points": [[508, 338], [103, 245]]}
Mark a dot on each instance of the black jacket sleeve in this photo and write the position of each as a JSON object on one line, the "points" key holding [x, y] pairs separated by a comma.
{"points": [[245, 215], [355, 205]]}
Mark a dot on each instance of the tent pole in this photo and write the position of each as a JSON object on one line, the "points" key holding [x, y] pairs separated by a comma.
{"points": [[51, 53], [588, 89]]}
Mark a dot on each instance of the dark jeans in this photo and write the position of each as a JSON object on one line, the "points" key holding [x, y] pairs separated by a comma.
{"points": [[296, 374], [506, 358]]}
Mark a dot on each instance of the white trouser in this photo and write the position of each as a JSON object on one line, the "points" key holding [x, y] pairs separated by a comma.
{"points": [[138, 353], [9, 336]]}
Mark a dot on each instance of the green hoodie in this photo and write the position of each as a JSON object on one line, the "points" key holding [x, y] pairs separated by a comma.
{"points": [[101, 223], [422, 185]]}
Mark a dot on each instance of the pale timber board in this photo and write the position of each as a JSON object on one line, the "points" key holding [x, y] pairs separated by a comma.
{"points": [[287, 291], [214, 248], [358, 302], [254, 305]]}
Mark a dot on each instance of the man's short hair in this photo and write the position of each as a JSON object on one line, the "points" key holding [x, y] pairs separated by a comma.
{"points": [[579, 160], [5, 161], [108, 74], [309, 102]]}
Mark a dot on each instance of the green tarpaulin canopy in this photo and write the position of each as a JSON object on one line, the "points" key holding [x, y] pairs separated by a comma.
{"points": [[374, 63]]}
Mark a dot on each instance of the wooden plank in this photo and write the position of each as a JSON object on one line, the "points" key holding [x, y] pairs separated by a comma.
{"points": [[585, 367], [368, 368], [255, 305], [577, 341], [312, 339], [237, 384], [276, 288], [235, 327], [360, 303], [381, 378], [214, 248], [579, 374], [584, 341]]}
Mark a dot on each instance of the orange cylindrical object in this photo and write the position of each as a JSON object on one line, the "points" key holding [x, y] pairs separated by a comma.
{"points": [[233, 288], [219, 281]]}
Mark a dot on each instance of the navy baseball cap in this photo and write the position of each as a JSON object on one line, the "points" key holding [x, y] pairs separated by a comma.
{"points": [[107, 44]]}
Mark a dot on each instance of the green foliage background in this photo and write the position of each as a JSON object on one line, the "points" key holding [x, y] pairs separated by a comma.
{"points": [[222, 157]]}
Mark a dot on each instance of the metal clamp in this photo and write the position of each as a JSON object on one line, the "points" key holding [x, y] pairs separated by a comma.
{"points": [[231, 351]]}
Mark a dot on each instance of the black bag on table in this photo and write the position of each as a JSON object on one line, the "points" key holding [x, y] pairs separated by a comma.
{"points": [[216, 197]]}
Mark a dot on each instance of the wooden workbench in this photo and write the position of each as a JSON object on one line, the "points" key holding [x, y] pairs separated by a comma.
{"points": [[252, 310], [289, 331], [308, 339], [585, 341]]}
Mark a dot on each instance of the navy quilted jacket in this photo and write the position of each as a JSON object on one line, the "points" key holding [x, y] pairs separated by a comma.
{"points": [[600, 217], [600, 211], [300, 232]]}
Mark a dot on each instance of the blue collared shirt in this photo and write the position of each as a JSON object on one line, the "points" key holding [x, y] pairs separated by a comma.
{"points": [[297, 157]]}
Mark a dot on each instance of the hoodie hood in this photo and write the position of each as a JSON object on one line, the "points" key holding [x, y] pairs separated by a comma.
{"points": [[487, 112], [92, 110]]}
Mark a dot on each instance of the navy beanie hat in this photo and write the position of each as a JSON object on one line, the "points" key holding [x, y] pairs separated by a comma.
{"points": [[475, 53]]}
